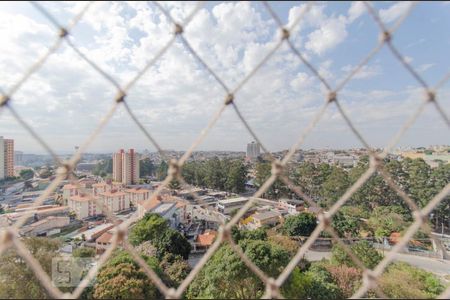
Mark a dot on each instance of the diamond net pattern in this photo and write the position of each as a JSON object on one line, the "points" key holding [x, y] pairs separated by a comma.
{"points": [[8, 237]]}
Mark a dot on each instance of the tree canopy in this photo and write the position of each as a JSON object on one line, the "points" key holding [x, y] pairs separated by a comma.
{"points": [[302, 224], [152, 227]]}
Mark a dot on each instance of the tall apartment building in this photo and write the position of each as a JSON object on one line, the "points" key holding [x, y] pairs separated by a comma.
{"points": [[6, 158], [253, 150], [126, 167]]}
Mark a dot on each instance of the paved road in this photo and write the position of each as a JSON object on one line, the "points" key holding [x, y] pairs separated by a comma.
{"points": [[437, 266]]}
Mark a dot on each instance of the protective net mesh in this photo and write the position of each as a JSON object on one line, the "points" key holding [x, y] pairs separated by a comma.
{"points": [[65, 170]]}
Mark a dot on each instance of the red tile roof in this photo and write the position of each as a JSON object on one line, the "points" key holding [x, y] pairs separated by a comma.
{"points": [[105, 238], [207, 238]]}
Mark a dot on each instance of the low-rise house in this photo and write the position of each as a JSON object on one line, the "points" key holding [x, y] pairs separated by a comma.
{"points": [[103, 242], [227, 206], [260, 219], [48, 226], [170, 208], [92, 234], [205, 240], [293, 207]]}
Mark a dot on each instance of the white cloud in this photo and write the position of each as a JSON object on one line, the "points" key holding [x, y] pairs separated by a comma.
{"points": [[425, 67], [174, 100], [331, 33], [408, 59], [365, 72], [356, 10], [301, 81], [395, 11]]}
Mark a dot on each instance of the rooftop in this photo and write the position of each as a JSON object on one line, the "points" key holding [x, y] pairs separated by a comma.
{"points": [[112, 193], [233, 200], [207, 238], [266, 215], [137, 190], [105, 237], [82, 198], [69, 187], [164, 207]]}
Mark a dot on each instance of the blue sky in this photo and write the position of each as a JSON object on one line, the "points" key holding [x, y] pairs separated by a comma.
{"points": [[175, 99]]}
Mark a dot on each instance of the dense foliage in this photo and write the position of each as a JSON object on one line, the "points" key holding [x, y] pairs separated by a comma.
{"points": [[154, 228], [368, 255], [17, 280], [103, 168], [302, 224]]}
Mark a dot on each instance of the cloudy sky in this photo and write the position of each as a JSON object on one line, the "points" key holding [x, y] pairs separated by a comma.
{"points": [[65, 100]]}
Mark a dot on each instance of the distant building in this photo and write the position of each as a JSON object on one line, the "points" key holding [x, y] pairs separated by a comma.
{"points": [[45, 227], [253, 150], [227, 206], [264, 218], [126, 167], [6, 158], [18, 158], [83, 206]]}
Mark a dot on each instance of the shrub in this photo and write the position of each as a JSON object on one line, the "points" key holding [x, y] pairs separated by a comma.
{"points": [[402, 280], [300, 225], [368, 255]]}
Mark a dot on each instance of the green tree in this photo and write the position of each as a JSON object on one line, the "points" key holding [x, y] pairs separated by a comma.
{"points": [[368, 255], [324, 287], [17, 279], [345, 225], [175, 268], [311, 177], [334, 186], [440, 177], [83, 252], [27, 174], [146, 167], [174, 184], [172, 241], [215, 174], [103, 168], [147, 229], [386, 220], [375, 192], [278, 189], [402, 280], [226, 276], [161, 171], [123, 278], [152, 227], [236, 177], [240, 234], [302, 224]]}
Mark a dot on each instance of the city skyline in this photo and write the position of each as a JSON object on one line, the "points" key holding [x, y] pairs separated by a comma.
{"points": [[177, 97]]}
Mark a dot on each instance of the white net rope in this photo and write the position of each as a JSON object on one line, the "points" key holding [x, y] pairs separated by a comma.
{"points": [[8, 237]]}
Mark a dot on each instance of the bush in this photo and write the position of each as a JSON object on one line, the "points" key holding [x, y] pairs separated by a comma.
{"points": [[84, 252], [300, 225], [348, 279], [402, 280], [123, 278], [368, 255], [165, 239], [257, 234]]}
